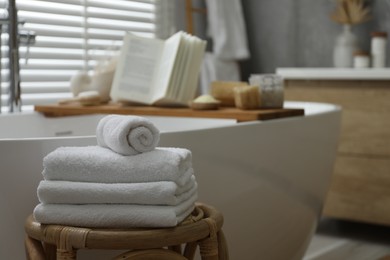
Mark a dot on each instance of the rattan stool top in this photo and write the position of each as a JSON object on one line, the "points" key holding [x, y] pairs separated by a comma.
{"points": [[202, 227]]}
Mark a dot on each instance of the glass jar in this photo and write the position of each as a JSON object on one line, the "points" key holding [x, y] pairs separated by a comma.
{"points": [[361, 59], [271, 89]]}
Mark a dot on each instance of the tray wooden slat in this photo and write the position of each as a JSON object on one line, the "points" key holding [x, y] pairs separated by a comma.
{"points": [[226, 113]]}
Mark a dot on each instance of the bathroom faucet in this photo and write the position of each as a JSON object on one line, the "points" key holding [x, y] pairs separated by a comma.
{"points": [[14, 100], [14, 39]]}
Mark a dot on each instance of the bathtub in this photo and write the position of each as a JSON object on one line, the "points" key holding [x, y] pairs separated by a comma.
{"points": [[268, 178]]}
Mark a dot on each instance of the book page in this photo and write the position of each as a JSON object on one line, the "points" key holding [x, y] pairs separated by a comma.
{"points": [[136, 69], [194, 68], [169, 56], [189, 57]]}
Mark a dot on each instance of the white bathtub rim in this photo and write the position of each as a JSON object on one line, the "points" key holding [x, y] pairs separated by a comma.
{"points": [[311, 109]]}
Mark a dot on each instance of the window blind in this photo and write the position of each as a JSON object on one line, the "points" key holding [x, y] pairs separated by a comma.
{"points": [[73, 35]]}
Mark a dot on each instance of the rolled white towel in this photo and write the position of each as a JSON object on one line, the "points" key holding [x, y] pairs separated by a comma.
{"points": [[127, 135], [98, 164], [148, 193], [114, 215]]}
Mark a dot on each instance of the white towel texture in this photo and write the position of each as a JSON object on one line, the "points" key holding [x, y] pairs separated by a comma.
{"points": [[127, 135], [148, 193], [114, 215], [226, 27], [124, 182], [98, 164], [214, 69]]}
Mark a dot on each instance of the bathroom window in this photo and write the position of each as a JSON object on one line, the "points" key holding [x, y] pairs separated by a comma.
{"points": [[74, 35]]}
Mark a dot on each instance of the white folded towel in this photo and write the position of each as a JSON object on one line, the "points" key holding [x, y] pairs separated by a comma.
{"points": [[127, 135], [98, 164], [114, 215], [148, 193]]}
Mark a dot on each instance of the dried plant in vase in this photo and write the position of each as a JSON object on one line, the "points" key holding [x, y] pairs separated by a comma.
{"points": [[348, 13], [351, 12]]}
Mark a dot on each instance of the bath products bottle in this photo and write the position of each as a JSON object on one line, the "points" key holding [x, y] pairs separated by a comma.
{"points": [[361, 59], [378, 49]]}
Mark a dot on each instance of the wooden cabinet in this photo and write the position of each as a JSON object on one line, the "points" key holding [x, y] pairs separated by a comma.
{"points": [[360, 188]]}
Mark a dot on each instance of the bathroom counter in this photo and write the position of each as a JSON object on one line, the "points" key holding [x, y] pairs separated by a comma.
{"points": [[360, 189], [224, 112], [334, 74]]}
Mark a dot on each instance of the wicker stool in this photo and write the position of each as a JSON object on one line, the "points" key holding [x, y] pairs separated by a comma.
{"points": [[202, 227]]}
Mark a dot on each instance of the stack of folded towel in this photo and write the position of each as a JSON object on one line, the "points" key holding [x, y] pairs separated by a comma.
{"points": [[125, 181]]}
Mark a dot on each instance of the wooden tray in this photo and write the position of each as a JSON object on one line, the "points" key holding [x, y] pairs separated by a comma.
{"points": [[227, 113]]}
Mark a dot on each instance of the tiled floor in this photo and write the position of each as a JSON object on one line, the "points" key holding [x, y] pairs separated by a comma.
{"points": [[343, 240]]}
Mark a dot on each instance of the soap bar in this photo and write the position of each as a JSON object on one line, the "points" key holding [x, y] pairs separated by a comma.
{"points": [[247, 97], [223, 91]]}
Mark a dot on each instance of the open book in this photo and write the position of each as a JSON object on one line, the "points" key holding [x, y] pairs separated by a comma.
{"points": [[161, 72]]}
